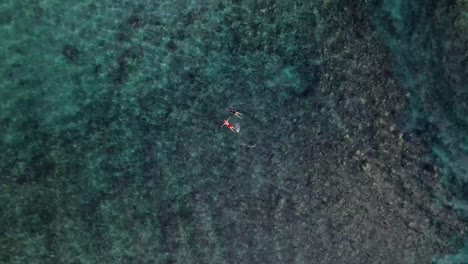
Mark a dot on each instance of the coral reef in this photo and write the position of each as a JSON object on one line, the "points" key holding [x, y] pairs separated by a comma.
{"points": [[112, 151]]}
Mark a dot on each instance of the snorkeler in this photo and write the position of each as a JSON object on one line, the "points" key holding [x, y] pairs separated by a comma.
{"points": [[232, 127], [237, 114]]}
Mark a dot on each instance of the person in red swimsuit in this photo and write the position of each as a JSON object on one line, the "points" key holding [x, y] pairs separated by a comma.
{"points": [[229, 125]]}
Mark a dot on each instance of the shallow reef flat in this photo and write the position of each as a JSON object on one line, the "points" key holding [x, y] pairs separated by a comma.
{"points": [[349, 152]]}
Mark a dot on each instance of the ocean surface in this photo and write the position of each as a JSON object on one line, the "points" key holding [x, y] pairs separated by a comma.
{"points": [[352, 147]]}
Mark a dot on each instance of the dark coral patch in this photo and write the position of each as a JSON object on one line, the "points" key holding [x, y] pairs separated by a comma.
{"points": [[70, 52], [135, 21], [131, 54]]}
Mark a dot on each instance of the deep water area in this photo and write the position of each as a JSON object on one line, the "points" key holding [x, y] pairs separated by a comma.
{"points": [[353, 144]]}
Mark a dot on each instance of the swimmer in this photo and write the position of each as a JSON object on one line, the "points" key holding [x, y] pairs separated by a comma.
{"points": [[237, 114], [230, 126]]}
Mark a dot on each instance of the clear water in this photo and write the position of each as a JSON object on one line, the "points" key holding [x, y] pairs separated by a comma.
{"points": [[352, 148], [428, 41]]}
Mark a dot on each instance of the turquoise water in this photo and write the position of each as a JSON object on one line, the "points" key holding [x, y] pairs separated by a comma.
{"points": [[352, 147]]}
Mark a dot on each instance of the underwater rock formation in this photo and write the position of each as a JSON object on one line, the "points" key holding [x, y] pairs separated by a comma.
{"points": [[70, 52], [122, 160]]}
